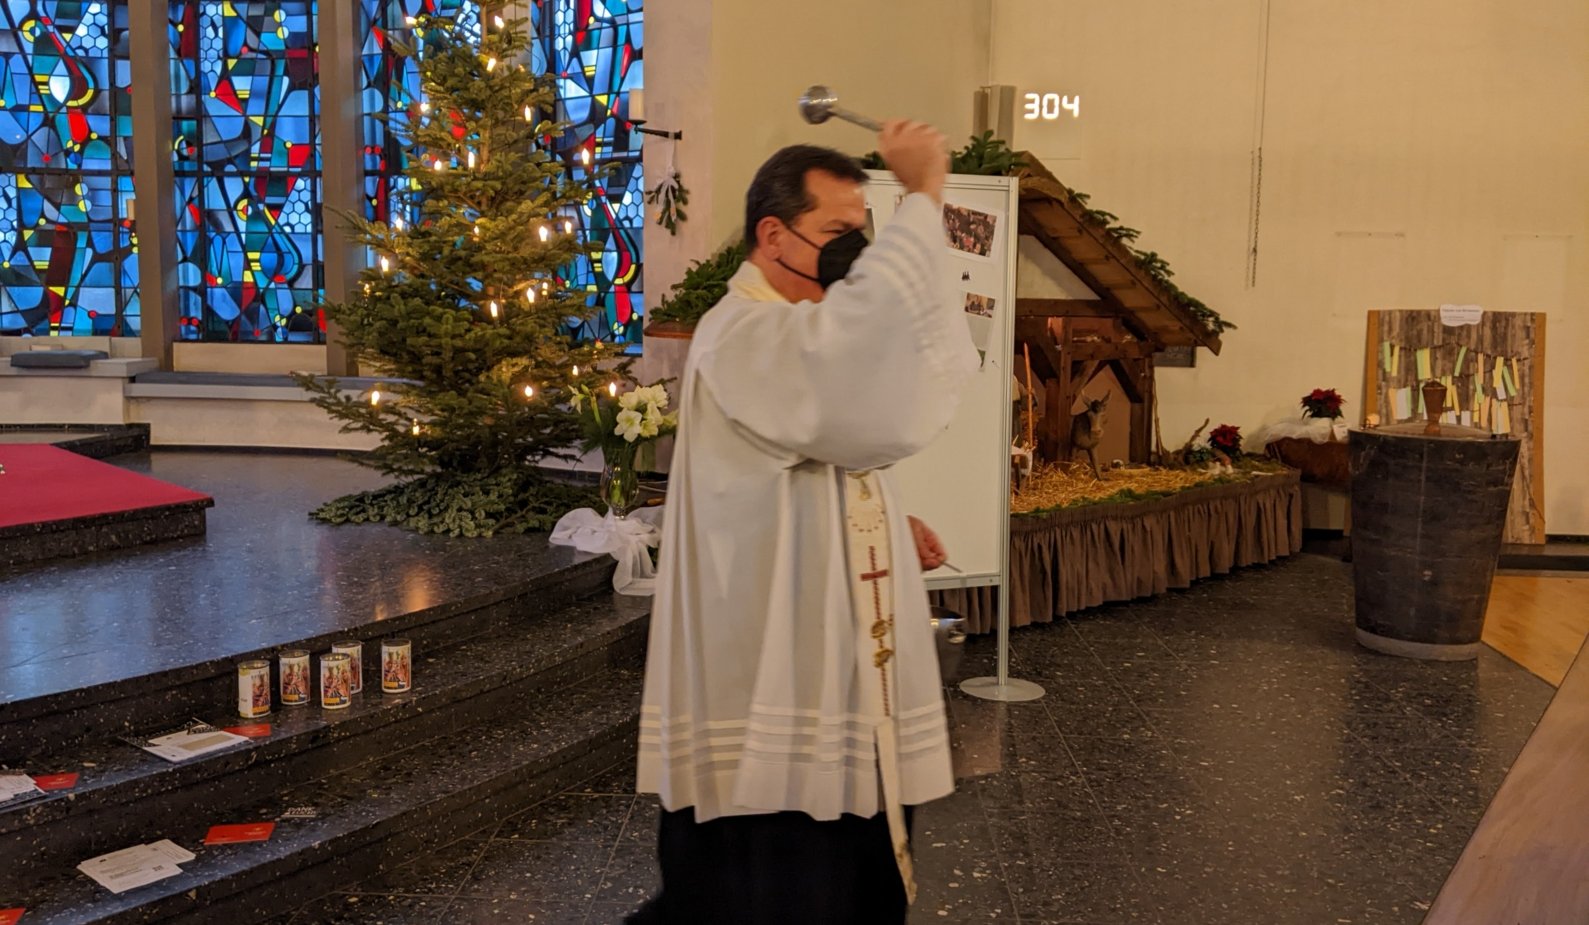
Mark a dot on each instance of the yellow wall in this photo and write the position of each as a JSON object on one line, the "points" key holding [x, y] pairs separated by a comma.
{"points": [[1415, 153], [735, 102], [735, 99], [924, 64]]}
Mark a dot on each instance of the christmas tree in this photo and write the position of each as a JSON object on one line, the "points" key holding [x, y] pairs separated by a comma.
{"points": [[463, 313]]}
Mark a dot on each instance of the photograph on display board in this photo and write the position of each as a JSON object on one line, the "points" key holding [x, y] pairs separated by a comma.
{"points": [[970, 231], [979, 305], [981, 329]]}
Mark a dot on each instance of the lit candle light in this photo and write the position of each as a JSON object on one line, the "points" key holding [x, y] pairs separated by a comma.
{"points": [[440, 165], [415, 430], [584, 156], [375, 397], [386, 265], [529, 295], [397, 222], [529, 391], [576, 371], [410, 20], [491, 64], [612, 389], [545, 235], [529, 115], [494, 308], [471, 160], [424, 107], [477, 229], [568, 226], [499, 23]]}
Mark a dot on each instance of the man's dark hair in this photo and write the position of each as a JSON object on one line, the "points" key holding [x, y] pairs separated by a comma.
{"points": [[779, 189]]}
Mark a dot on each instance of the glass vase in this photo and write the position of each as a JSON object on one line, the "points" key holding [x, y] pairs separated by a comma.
{"points": [[620, 483]]}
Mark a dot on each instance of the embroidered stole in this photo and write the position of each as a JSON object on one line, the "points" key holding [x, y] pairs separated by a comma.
{"points": [[872, 589]]}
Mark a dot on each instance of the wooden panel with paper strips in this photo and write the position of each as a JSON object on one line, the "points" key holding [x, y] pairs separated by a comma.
{"points": [[1493, 367]]}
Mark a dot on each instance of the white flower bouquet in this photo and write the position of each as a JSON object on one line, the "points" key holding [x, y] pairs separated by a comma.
{"points": [[625, 426]]}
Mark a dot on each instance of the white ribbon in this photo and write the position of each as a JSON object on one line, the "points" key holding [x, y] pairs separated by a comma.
{"points": [[629, 540]]}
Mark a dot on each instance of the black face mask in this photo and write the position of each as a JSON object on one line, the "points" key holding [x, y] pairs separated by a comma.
{"points": [[834, 259]]}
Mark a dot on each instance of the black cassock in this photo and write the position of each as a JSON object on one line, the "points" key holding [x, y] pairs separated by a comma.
{"points": [[775, 869]]}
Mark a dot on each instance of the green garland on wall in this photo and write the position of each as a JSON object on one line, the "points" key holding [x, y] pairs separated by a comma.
{"points": [[704, 283]]}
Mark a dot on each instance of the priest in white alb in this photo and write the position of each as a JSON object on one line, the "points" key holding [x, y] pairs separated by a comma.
{"points": [[793, 710]]}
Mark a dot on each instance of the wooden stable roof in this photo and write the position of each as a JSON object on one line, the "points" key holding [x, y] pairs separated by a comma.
{"points": [[1126, 290]]}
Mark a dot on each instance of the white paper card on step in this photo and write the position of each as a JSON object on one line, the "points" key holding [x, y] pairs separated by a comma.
{"points": [[1456, 316], [16, 784], [130, 868], [181, 746], [171, 851]]}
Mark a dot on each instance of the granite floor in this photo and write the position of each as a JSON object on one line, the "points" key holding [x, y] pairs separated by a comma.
{"points": [[264, 574], [1220, 755]]}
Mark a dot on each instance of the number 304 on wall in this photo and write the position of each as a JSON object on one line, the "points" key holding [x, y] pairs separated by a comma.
{"points": [[1051, 106]]}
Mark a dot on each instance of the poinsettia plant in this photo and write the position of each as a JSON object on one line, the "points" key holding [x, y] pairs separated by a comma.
{"points": [[1226, 438], [1322, 403]]}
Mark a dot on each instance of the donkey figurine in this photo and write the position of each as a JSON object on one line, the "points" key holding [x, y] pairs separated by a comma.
{"points": [[1086, 432]]}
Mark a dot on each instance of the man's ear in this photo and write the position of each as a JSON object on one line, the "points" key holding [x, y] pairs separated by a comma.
{"points": [[769, 236]]}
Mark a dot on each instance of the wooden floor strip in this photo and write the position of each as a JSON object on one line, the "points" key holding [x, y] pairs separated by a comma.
{"points": [[1528, 861], [1538, 622]]}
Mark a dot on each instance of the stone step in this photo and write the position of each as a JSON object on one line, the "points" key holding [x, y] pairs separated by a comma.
{"points": [[393, 807], [33, 729], [124, 792]]}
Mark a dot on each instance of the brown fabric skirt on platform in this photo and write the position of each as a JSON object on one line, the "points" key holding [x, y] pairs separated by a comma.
{"points": [[775, 869], [1082, 557]]}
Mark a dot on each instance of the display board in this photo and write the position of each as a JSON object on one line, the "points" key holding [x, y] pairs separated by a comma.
{"points": [[960, 485]]}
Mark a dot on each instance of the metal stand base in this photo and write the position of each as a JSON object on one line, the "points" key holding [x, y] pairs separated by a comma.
{"points": [[1012, 690]]}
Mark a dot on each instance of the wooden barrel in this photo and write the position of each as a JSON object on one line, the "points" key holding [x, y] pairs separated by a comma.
{"points": [[1427, 517]]}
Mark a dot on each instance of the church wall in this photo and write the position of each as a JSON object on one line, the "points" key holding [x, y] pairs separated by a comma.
{"points": [[728, 73], [1414, 154]]}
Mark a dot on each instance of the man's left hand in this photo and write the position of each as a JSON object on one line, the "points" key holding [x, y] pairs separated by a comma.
{"points": [[929, 549]]}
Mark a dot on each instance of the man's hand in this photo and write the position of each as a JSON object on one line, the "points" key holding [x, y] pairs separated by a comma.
{"points": [[929, 549], [917, 154]]}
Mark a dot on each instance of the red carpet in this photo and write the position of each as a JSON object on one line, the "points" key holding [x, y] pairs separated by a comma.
{"points": [[43, 484]]}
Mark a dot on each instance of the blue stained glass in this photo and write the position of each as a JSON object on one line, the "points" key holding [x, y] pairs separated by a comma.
{"points": [[68, 253], [391, 88], [246, 126], [594, 49]]}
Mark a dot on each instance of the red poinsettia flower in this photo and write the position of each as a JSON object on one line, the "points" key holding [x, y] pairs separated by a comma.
{"points": [[1322, 403], [1227, 439]]}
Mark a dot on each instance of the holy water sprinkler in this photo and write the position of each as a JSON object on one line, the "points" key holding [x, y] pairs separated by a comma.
{"points": [[819, 104]]}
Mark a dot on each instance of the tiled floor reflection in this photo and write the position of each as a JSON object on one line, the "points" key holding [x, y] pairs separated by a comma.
{"points": [[1222, 755]]}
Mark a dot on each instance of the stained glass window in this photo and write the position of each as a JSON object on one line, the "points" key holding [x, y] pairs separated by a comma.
{"points": [[391, 86], [593, 48], [68, 257], [246, 138]]}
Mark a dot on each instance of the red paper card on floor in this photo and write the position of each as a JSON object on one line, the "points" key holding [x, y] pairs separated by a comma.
{"points": [[10, 916], [237, 834], [254, 731], [53, 782]]}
